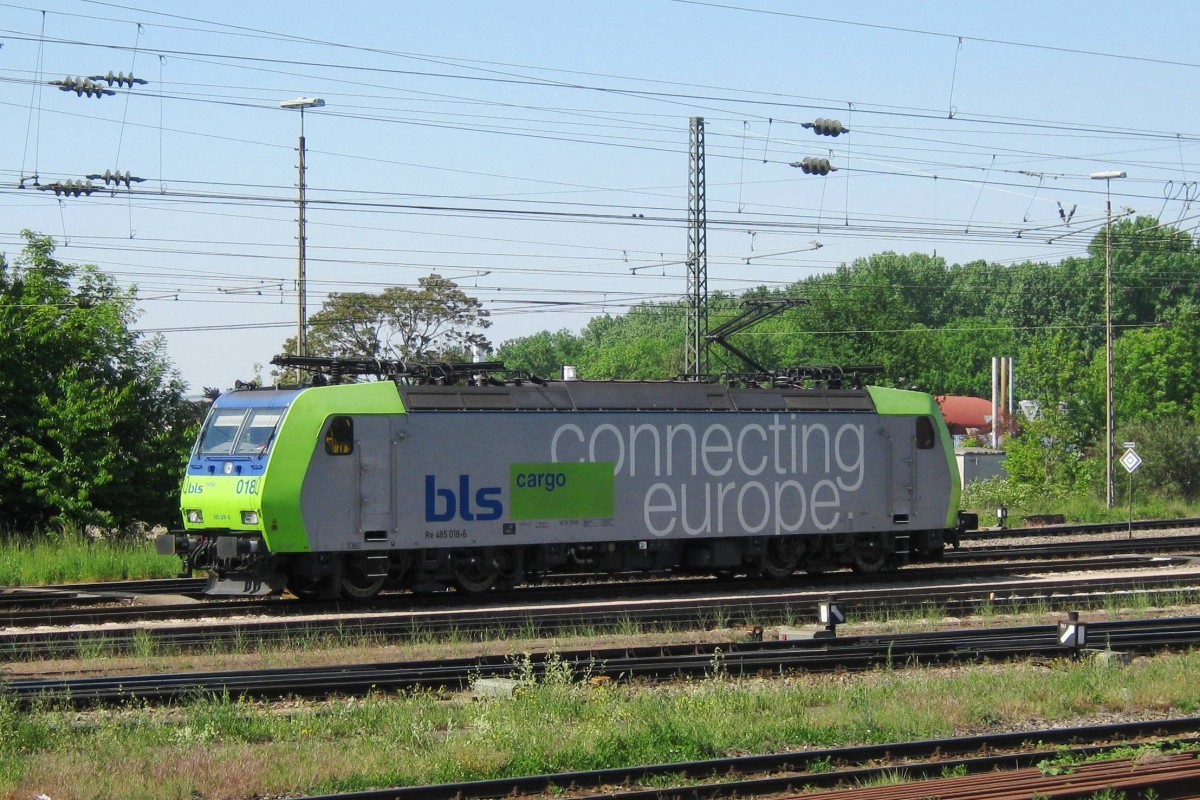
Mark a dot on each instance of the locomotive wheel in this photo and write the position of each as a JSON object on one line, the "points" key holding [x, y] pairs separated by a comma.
{"points": [[870, 556], [475, 570], [399, 565], [508, 568], [782, 557], [314, 590], [357, 582]]}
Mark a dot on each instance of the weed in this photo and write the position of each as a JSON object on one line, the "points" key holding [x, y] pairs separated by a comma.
{"points": [[1062, 764], [818, 765], [627, 626], [718, 670], [888, 777], [95, 648], [143, 644]]}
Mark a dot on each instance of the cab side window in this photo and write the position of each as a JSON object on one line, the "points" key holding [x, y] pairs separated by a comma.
{"points": [[925, 434], [339, 438]]}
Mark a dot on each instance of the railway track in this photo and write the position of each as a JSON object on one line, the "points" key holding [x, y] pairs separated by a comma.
{"points": [[644, 663], [278, 623], [1077, 529], [83, 604], [113, 612], [973, 549], [997, 766], [80, 594]]}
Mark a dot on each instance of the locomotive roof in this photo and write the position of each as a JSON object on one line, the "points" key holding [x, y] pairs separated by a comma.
{"points": [[630, 396]]}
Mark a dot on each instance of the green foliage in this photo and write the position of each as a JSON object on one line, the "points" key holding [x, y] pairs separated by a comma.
{"points": [[93, 425], [554, 724], [1170, 451], [1053, 367], [1048, 455], [22, 734], [1155, 374], [952, 360], [543, 353], [1067, 760], [435, 322], [645, 344], [76, 558], [986, 496]]}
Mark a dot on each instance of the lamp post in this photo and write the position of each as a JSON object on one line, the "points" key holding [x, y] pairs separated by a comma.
{"points": [[1108, 176], [301, 103]]}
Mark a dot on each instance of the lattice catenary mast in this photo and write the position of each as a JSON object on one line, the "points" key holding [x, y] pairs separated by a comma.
{"points": [[695, 346]]}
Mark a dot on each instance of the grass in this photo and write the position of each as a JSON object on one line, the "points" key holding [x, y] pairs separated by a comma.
{"points": [[74, 557], [221, 747], [1065, 762], [986, 496]]}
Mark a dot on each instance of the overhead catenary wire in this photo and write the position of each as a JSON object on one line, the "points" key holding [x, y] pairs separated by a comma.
{"points": [[860, 225]]}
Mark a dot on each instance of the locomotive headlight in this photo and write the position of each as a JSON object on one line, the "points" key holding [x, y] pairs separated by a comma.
{"points": [[194, 515], [249, 517]]}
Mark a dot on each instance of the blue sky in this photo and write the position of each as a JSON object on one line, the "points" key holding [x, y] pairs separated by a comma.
{"points": [[511, 147]]}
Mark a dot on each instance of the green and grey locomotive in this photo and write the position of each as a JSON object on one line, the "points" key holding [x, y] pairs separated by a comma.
{"points": [[355, 487]]}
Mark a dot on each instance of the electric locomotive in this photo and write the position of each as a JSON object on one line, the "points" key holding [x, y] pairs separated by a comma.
{"points": [[443, 476]]}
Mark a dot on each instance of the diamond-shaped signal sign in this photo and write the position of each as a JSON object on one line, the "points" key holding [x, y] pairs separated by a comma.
{"points": [[1131, 461]]}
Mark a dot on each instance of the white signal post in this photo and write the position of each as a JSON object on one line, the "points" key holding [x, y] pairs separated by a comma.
{"points": [[1132, 462]]}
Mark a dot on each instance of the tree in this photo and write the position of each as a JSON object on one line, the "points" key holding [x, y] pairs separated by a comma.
{"points": [[1155, 269], [955, 359], [644, 344], [435, 322], [93, 425], [1155, 370], [543, 353], [863, 313], [1049, 455]]}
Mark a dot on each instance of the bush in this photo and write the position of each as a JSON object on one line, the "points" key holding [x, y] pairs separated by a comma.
{"points": [[985, 496], [1170, 451], [1049, 456]]}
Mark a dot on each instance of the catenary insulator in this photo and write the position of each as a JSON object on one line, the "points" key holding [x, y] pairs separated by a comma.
{"points": [[120, 79], [81, 86], [116, 177], [826, 127], [815, 166]]}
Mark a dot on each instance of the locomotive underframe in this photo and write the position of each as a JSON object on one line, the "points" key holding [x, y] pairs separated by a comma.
{"points": [[239, 563]]}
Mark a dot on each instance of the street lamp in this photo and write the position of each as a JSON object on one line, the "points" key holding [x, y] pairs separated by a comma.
{"points": [[1108, 176], [301, 103]]}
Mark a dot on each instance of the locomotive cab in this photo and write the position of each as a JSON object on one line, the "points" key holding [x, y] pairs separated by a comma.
{"points": [[221, 496]]}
